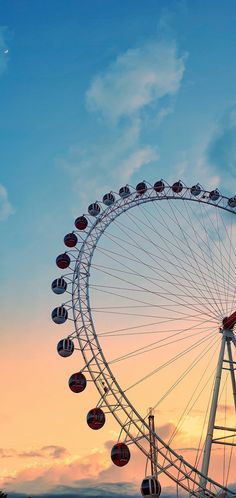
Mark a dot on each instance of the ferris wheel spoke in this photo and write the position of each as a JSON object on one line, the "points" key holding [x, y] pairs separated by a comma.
{"points": [[187, 235], [202, 242], [169, 362], [192, 319], [168, 307], [179, 301], [173, 255], [202, 293], [185, 241], [159, 270], [212, 263], [103, 268], [156, 345], [229, 272], [167, 251], [156, 332], [199, 267], [169, 281], [225, 253], [125, 241], [190, 367], [221, 258], [227, 265], [231, 265], [195, 397]]}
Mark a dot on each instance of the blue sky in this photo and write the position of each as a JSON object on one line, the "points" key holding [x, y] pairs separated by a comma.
{"points": [[94, 95]]}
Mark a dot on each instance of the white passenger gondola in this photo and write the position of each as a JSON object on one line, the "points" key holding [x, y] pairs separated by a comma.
{"points": [[214, 195], [232, 202], [59, 315], [94, 209], [108, 199], [124, 191], [150, 487], [59, 286], [195, 190], [65, 347]]}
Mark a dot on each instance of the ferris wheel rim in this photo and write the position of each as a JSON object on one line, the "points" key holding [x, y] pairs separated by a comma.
{"points": [[119, 207]]}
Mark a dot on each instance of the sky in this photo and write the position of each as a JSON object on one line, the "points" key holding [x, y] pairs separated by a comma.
{"points": [[93, 95]]}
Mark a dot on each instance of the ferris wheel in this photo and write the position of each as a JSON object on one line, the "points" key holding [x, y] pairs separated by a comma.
{"points": [[150, 280]]}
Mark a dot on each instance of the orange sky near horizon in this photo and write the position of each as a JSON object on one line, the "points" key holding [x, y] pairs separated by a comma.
{"points": [[40, 411]]}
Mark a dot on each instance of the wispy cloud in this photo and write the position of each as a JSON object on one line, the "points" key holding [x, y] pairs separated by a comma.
{"points": [[5, 206], [136, 79], [87, 476], [3, 49], [213, 163], [50, 451], [221, 151], [135, 89], [108, 162]]}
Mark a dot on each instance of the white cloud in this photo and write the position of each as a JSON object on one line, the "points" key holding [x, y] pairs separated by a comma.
{"points": [[137, 78], [109, 163], [140, 157], [3, 50], [213, 163], [134, 91], [5, 207], [221, 151]]}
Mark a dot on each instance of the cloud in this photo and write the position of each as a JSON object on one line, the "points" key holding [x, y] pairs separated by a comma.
{"points": [[111, 161], [135, 91], [55, 471], [51, 451], [165, 431], [221, 150], [213, 163], [88, 476], [90, 488], [3, 49], [5, 207], [136, 79], [7, 453]]}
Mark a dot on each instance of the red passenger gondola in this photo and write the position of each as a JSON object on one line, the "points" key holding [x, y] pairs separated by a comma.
{"points": [[159, 186], [96, 419], [63, 261], [177, 187], [141, 188], [81, 223], [77, 382], [70, 240], [120, 454]]}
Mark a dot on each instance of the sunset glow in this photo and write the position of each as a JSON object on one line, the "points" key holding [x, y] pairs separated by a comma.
{"points": [[105, 104]]}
